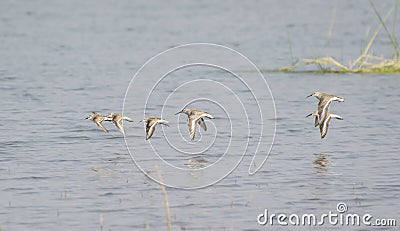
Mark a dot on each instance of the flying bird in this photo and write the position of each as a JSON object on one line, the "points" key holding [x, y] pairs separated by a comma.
{"points": [[195, 117], [151, 123], [316, 121], [324, 125], [98, 118], [325, 100], [117, 118]]}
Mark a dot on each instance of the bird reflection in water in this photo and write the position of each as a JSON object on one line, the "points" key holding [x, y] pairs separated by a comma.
{"points": [[196, 162], [321, 164]]}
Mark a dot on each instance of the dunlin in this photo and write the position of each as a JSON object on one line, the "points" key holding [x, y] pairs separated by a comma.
{"points": [[98, 118], [151, 123], [316, 121], [117, 118], [323, 126], [195, 117], [325, 100]]}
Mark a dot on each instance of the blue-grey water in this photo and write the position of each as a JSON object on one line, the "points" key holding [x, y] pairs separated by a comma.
{"points": [[61, 60]]}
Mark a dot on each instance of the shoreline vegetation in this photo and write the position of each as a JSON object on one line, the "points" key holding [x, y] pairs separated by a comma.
{"points": [[365, 63]]}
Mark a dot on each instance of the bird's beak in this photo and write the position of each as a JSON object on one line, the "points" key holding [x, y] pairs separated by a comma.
{"points": [[308, 115], [309, 96], [178, 112]]}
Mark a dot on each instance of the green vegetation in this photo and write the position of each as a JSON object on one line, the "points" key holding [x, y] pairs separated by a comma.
{"points": [[365, 63]]}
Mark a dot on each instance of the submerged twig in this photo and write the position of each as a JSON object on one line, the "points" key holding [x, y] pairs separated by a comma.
{"points": [[165, 197]]}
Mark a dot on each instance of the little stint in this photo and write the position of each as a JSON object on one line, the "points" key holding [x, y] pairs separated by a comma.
{"points": [[316, 121], [325, 100], [323, 126], [98, 118], [117, 118], [195, 117], [151, 123]]}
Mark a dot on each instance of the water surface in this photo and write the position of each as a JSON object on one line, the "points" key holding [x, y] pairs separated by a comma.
{"points": [[61, 60]]}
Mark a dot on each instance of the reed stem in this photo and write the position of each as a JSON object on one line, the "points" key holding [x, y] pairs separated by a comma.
{"points": [[165, 197]]}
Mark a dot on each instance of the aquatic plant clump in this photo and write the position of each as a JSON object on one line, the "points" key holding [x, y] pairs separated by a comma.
{"points": [[365, 63], [369, 64]]}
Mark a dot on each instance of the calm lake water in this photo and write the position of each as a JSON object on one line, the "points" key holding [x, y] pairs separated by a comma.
{"points": [[63, 59]]}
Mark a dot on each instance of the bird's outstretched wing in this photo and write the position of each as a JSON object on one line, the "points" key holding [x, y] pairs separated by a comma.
{"points": [[128, 119], [202, 124], [118, 124], [323, 127], [192, 124], [101, 126], [150, 128]]}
